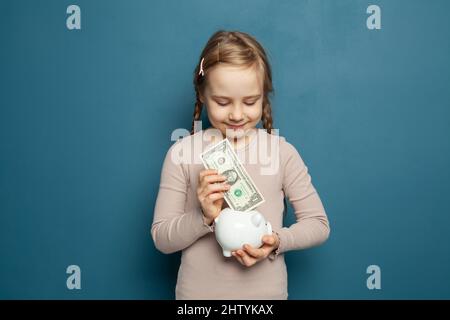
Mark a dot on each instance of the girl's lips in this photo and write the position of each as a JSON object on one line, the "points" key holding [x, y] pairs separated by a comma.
{"points": [[236, 127]]}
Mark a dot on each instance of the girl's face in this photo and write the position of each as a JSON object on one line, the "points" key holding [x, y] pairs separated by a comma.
{"points": [[233, 97]]}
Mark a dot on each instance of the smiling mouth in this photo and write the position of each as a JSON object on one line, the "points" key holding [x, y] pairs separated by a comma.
{"points": [[236, 127]]}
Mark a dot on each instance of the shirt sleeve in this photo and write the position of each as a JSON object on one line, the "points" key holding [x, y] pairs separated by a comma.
{"points": [[173, 228], [312, 225]]}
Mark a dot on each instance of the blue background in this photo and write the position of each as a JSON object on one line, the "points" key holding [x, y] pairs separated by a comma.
{"points": [[86, 117]]}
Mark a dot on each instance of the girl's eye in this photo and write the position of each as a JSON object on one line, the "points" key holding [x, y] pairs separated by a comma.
{"points": [[226, 103]]}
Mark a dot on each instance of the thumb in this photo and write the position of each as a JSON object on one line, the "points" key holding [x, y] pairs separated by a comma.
{"points": [[268, 240]]}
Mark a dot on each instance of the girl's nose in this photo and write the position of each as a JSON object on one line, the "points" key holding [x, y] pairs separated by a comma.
{"points": [[236, 113]]}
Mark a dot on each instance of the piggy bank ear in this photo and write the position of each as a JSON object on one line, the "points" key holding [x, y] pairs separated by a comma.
{"points": [[256, 219]]}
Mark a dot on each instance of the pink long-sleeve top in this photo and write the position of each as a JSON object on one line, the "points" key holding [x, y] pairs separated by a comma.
{"points": [[178, 224]]}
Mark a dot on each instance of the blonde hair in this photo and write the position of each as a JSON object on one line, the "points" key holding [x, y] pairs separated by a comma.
{"points": [[237, 49]]}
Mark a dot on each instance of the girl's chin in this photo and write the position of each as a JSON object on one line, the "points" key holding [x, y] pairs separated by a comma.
{"points": [[235, 133]]}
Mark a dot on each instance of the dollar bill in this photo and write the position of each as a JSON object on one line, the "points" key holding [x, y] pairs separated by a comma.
{"points": [[243, 194]]}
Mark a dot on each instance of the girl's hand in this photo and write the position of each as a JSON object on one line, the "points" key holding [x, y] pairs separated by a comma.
{"points": [[249, 255], [210, 193]]}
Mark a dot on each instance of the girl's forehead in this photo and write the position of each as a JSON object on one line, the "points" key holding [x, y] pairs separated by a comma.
{"points": [[234, 81]]}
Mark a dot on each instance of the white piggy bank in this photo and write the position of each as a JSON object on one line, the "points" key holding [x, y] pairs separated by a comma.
{"points": [[233, 229]]}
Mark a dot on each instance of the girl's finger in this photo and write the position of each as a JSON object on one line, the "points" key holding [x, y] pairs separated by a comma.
{"points": [[215, 196], [205, 173], [214, 178], [269, 240], [215, 188], [254, 252], [238, 258], [203, 176], [246, 259]]}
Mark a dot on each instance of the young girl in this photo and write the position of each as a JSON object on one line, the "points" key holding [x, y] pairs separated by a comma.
{"points": [[233, 80]]}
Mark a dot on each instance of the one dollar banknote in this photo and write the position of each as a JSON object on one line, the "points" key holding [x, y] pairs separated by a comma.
{"points": [[243, 194]]}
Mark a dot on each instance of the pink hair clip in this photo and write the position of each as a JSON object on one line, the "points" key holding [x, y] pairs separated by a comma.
{"points": [[201, 68]]}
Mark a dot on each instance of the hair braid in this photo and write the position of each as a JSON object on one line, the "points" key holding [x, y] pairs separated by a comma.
{"points": [[267, 117], [197, 112]]}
